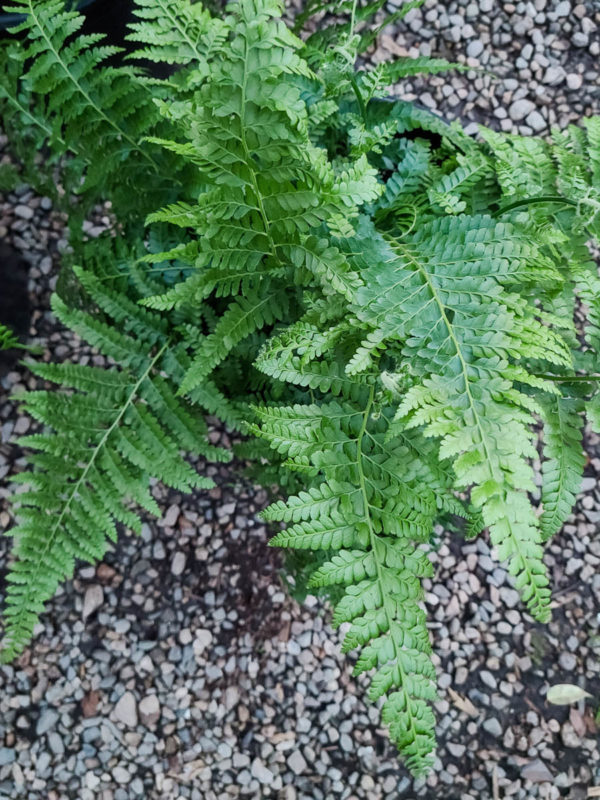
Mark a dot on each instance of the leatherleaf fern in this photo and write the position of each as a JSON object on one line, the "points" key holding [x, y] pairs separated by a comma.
{"points": [[390, 310]]}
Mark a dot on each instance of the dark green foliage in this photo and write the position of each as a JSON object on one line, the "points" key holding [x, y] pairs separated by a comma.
{"points": [[387, 305], [7, 338]]}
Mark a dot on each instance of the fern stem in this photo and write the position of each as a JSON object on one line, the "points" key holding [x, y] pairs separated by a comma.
{"points": [[39, 123], [359, 99], [248, 157], [530, 201]]}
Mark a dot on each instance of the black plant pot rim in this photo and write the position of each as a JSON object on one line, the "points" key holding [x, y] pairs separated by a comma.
{"points": [[6, 20]]}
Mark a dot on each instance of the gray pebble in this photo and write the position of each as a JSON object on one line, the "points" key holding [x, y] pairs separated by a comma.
{"points": [[24, 212], [47, 719], [261, 772], [520, 109], [493, 727], [536, 121]]}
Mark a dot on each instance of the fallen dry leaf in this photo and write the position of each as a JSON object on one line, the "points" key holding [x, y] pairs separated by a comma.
{"points": [[561, 694], [89, 704], [578, 722], [462, 703]]}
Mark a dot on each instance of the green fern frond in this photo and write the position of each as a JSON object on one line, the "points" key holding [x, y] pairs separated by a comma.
{"points": [[174, 32], [99, 114], [110, 432], [564, 461], [8, 340], [369, 526], [441, 300]]}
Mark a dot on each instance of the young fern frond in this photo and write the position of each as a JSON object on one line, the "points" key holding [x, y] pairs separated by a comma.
{"points": [[437, 293]]}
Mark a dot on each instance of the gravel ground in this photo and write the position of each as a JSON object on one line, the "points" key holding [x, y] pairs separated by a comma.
{"points": [[180, 668]]}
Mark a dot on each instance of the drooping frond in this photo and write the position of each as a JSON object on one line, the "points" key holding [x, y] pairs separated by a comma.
{"points": [[108, 431], [437, 293], [370, 523]]}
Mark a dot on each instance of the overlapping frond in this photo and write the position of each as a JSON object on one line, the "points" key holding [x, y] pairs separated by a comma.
{"points": [[70, 99], [442, 295]]}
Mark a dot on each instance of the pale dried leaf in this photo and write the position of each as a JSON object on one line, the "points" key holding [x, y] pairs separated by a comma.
{"points": [[561, 694], [462, 703], [578, 722]]}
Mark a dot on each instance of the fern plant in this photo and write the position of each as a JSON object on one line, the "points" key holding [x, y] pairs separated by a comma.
{"points": [[382, 303]]}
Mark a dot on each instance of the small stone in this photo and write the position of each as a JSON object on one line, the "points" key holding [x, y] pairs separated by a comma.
{"points": [[520, 109], [260, 772], [24, 212], [488, 679], [178, 563], [92, 600], [171, 516], [185, 636], [121, 775], [537, 772], [91, 780], [47, 720], [232, 697], [588, 484], [580, 39], [55, 743], [368, 784], [567, 661], [149, 709], [510, 597], [536, 121], [456, 749], [158, 551], [563, 9], [569, 736], [475, 48], [554, 75], [493, 727], [125, 710], [296, 762], [7, 756], [203, 639]]}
